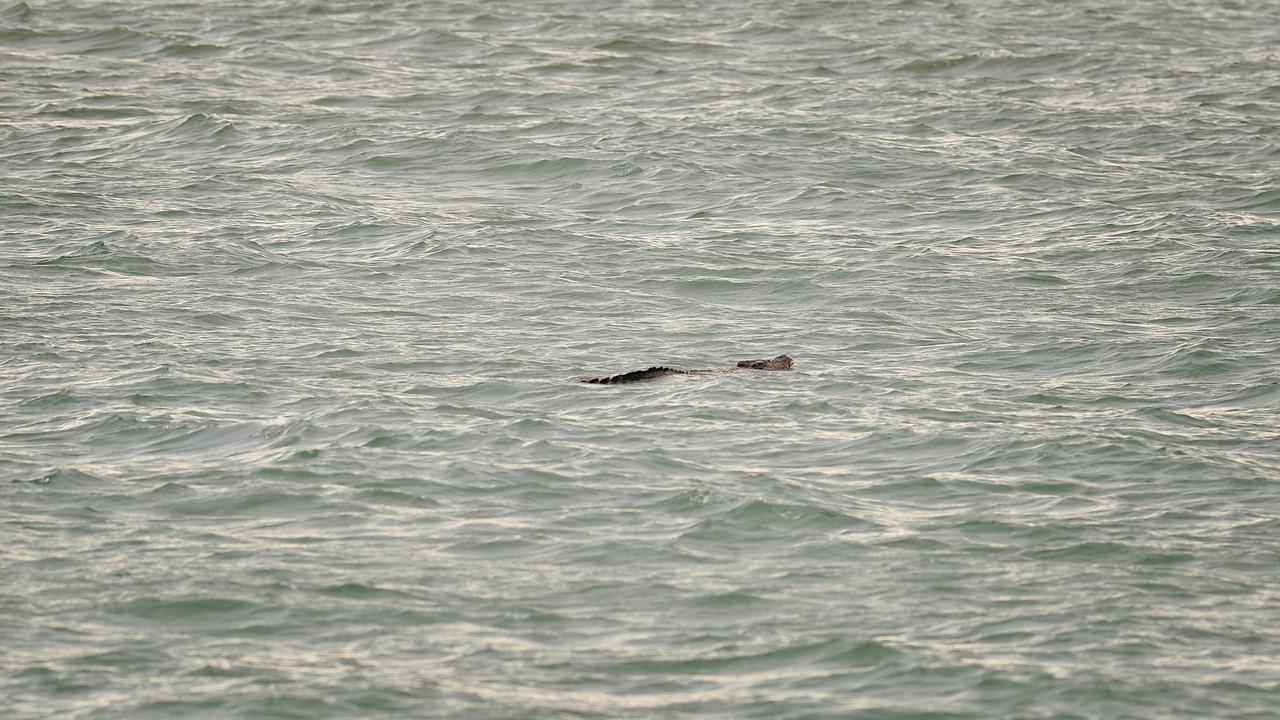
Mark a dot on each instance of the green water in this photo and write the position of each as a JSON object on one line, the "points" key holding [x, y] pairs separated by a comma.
{"points": [[294, 296]]}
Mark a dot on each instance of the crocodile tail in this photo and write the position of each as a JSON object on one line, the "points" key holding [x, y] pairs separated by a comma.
{"points": [[634, 376]]}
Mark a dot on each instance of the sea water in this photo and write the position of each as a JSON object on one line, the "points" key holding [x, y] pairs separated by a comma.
{"points": [[293, 296]]}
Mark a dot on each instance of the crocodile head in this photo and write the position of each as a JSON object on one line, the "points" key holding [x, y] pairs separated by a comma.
{"points": [[781, 362]]}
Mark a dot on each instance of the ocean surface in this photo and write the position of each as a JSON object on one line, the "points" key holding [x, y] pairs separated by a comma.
{"points": [[294, 296]]}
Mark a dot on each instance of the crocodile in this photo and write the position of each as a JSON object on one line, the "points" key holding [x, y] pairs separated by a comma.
{"points": [[781, 362]]}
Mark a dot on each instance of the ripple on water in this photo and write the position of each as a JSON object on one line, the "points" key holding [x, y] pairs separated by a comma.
{"points": [[294, 302]]}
